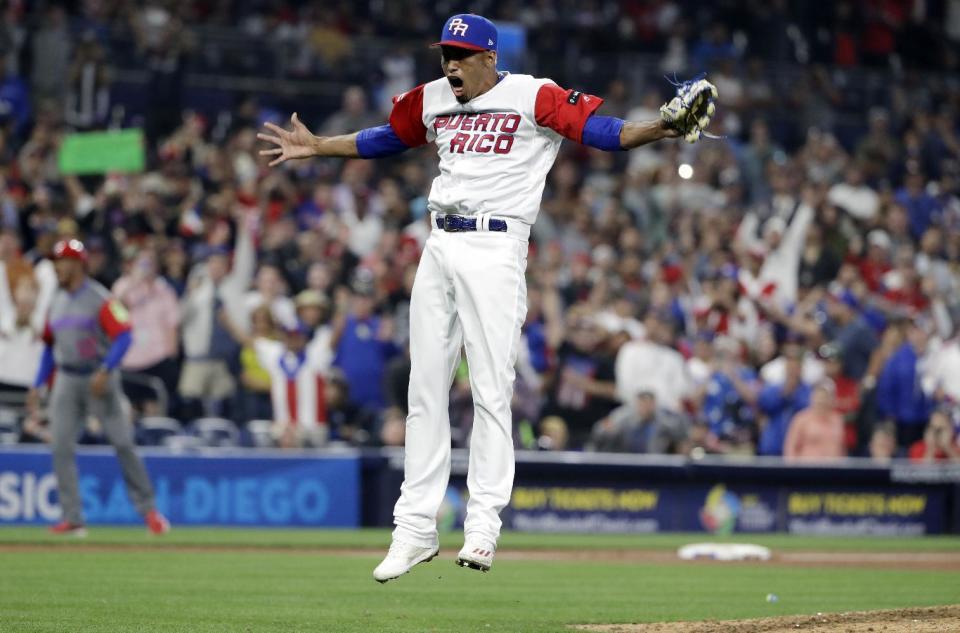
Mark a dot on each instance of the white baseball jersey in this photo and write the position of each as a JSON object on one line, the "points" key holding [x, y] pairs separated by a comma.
{"points": [[495, 150]]}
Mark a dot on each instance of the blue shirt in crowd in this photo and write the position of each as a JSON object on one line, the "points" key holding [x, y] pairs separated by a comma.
{"points": [[723, 408], [923, 210], [363, 358], [856, 341], [899, 395], [780, 409]]}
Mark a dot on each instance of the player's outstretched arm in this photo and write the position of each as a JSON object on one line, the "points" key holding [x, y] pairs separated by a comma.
{"points": [[637, 133], [299, 142]]}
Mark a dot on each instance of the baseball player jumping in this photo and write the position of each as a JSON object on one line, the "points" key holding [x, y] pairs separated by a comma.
{"points": [[86, 336], [497, 135]]}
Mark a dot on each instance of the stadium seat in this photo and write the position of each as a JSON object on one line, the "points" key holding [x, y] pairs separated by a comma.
{"points": [[216, 432], [181, 442], [154, 430], [9, 428], [258, 434]]}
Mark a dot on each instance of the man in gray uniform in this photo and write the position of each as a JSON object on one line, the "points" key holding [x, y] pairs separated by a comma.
{"points": [[86, 336]]}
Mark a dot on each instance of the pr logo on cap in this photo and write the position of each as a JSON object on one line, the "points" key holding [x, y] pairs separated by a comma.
{"points": [[458, 26], [469, 31]]}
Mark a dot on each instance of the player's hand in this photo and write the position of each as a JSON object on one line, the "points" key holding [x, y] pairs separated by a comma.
{"points": [[98, 383], [296, 143]]}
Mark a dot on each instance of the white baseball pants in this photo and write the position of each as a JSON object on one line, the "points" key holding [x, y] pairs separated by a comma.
{"points": [[469, 292]]}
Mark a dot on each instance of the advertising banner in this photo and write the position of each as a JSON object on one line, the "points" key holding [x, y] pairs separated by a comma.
{"points": [[898, 512], [254, 489], [718, 508]]}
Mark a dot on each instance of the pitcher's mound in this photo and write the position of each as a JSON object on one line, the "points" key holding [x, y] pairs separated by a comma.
{"points": [[919, 620]]}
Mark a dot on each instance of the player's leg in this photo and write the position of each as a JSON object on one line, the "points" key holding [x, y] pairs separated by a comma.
{"points": [[109, 410], [492, 304], [435, 342], [67, 417]]}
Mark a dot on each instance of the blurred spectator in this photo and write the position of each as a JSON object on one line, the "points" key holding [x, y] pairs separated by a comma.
{"points": [[779, 403], [553, 434], [394, 428], [640, 426], [900, 396], [775, 371], [922, 208], [883, 444], [854, 196], [877, 150], [297, 387], [101, 261], [652, 364], [783, 245], [581, 390], [359, 209], [15, 107], [255, 379], [848, 331], [939, 441], [312, 308], [175, 264], [215, 294], [877, 261], [88, 88], [154, 318], [817, 432], [356, 424], [271, 291], [50, 48], [727, 397], [943, 371], [20, 344], [846, 392], [162, 44], [363, 345], [353, 114]]}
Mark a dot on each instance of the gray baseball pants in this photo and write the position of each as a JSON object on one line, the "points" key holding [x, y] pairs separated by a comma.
{"points": [[70, 404]]}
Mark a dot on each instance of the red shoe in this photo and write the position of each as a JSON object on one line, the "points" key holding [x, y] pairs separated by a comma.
{"points": [[157, 523], [69, 529]]}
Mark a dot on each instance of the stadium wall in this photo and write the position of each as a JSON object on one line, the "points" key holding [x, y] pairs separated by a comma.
{"points": [[554, 492]]}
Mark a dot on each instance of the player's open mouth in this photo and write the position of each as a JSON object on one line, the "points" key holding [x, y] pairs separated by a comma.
{"points": [[456, 84]]}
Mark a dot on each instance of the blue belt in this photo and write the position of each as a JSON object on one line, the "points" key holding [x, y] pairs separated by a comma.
{"points": [[458, 223]]}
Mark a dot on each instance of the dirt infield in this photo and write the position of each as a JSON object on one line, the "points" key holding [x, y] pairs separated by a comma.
{"points": [[943, 561], [920, 620]]}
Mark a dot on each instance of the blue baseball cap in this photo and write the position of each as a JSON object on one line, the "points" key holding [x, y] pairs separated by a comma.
{"points": [[470, 31]]}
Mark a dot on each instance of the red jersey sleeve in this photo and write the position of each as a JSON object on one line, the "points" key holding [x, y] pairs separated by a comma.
{"points": [[114, 318], [565, 111], [47, 336], [406, 118]]}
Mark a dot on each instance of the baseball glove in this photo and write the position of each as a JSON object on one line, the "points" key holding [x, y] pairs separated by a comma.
{"points": [[690, 111]]}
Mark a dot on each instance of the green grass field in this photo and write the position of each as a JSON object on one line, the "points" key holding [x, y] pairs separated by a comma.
{"points": [[282, 580]]}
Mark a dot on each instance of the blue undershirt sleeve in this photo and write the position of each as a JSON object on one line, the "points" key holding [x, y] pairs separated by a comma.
{"points": [[45, 368], [603, 132], [377, 142], [117, 349]]}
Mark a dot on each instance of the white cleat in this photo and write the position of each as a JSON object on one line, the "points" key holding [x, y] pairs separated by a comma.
{"points": [[401, 558], [477, 555]]}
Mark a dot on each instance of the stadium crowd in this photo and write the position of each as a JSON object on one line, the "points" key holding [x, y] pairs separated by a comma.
{"points": [[792, 289]]}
